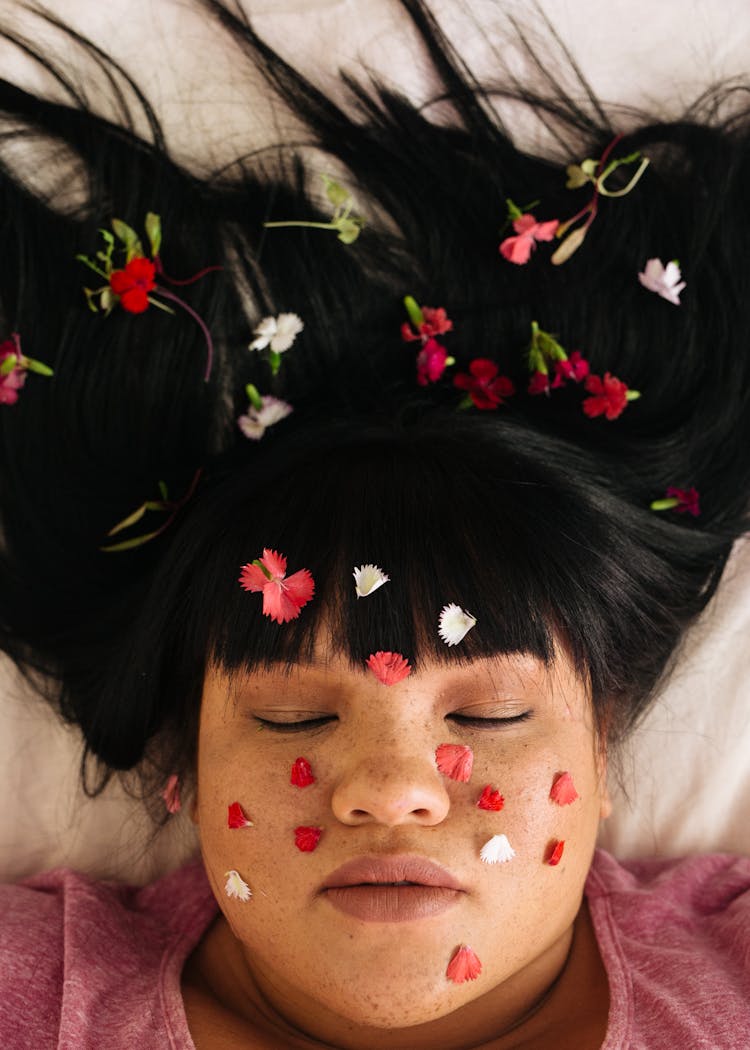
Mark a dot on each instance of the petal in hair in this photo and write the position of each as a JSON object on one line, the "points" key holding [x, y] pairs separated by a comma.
{"points": [[236, 886], [367, 578], [171, 794], [666, 281], [454, 624], [455, 761], [563, 790], [302, 774], [388, 668], [464, 965], [491, 799], [497, 851], [306, 839], [556, 852], [236, 817]]}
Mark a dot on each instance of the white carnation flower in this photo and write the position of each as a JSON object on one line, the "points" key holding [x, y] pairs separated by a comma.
{"points": [[455, 623], [236, 886], [497, 851], [278, 333], [367, 578], [664, 280], [255, 421]]}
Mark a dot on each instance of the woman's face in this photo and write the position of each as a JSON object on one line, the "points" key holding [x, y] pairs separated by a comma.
{"points": [[325, 943]]}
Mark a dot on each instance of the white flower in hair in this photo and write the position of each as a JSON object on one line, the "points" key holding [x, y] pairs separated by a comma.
{"points": [[664, 280], [367, 578], [497, 851], [255, 421], [455, 623], [236, 886], [278, 333]]}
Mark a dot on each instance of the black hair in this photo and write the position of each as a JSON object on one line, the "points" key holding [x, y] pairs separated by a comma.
{"points": [[533, 517]]}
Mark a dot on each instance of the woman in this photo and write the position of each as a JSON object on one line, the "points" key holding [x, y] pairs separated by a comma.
{"points": [[379, 596]]}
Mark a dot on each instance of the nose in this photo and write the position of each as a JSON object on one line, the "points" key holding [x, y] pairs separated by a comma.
{"points": [[391, 790]]}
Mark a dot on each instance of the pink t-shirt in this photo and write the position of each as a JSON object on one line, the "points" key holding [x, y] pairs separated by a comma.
{"points": [[96, 966]]}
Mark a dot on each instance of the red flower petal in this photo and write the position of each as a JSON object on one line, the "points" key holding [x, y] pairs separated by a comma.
{"points": [[436, 321], [274, 562], [563, 790], [388, 668], [252, 578], [282, 597], [455, 761], [408, 334], [483, 369], [556, 853], [134, 300], [688, 500], [464, 965], [431, 362], [302, 774], [306, 839], [610, 396], [236, 817], [539, 383], [491, 799]]}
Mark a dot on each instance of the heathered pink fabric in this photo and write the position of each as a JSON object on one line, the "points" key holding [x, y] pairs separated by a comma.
{"points": [[96, 966]]}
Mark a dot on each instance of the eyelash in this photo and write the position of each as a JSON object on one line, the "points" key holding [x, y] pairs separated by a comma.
{"points": [[462, 720]]}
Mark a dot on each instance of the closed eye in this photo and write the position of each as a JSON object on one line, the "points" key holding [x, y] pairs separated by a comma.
{"points": [[294, 727], [474, 722]]}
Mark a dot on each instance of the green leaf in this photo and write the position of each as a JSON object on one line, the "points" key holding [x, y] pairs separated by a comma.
{"points": [[163, 490], [335, 192], [349, 230], [514, 212], [414, 310], [589, 166], [91, 265], [153, 232], [127, 545], [129, 238], [254, 397], [131, 519]]}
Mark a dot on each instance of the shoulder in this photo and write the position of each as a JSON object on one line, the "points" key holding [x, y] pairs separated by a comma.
{"points": [[69, 942]]}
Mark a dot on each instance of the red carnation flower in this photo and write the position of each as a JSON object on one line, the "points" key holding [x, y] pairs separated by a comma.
{"points": [[431, 362], [687, 500], [283, 596], [539, 383], [134, 283], [491, 799], [610, 396], [576, 367], [486, 388], [435, 321]]}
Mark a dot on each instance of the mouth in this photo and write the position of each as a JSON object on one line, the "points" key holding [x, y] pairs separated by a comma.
{"points": [[391, 889]]}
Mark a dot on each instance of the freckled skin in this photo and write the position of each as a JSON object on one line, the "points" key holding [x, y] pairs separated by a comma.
{"points": [[378, 790]]}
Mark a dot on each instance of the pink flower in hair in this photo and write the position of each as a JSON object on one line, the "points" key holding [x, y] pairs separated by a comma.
{"points": [[14, 378], [518, 249], [431, 362], [435, 321], [484, 386], [283, 596], [389, 668]]}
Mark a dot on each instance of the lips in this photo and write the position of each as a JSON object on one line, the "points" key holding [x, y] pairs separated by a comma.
{"points": [[391, 889]]}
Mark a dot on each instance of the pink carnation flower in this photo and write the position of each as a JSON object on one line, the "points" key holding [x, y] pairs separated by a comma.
{"points": [[518, 249], [283, 596], [431, 362], [11, 383]]}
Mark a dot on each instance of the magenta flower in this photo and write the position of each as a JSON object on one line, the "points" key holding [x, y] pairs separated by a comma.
{"points": [[431, 362], [484, 386]]}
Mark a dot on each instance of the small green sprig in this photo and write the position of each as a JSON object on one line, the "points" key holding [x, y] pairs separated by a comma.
{"points": [[347, 225]]}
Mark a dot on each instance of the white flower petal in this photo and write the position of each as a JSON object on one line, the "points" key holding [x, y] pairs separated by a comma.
{"points": [[288, 327], [454, 624], [497, 851], [255, 421], [663, 280], [264, 332], [367, 578], [236, 886]]}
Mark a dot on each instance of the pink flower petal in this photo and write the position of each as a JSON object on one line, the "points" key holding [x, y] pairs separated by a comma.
{"points": [[464, 965], [171, 794], [302, 774], [524, 224], [306, 839], [252, 578], [275, 563], [236, 817], [455, 761], [491, 799], [563, 790], [388, 668], [545, 231], [517, 249]]}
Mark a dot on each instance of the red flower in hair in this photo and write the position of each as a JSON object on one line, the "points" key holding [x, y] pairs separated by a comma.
{"points": [[134, 283], [610, 396], [486, 388], [283, 596], [539, 383], [11, 381], [687, 500], [431, 362], [518, 249], [576, 368], [435, 322]]}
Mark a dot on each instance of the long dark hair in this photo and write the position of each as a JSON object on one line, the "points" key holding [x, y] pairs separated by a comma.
{"points": [[533, 517]]}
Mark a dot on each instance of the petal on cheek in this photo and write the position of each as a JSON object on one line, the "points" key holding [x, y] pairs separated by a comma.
{"points": [[236, 817], [555, 853], [302, 774], [464, 965], [563, 790], [497, 851], [306, 839], [236, 886], [491, 799], [455, 761]]}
